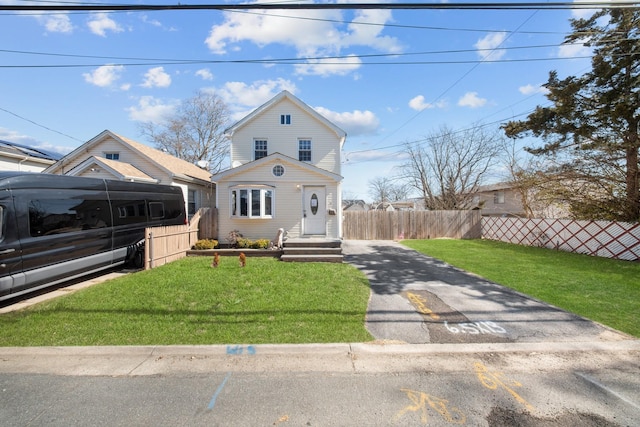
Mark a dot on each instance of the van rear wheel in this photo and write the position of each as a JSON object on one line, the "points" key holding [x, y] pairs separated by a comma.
{"points": [[138, 259]]}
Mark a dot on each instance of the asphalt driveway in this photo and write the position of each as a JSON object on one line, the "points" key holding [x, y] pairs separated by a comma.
{"points": [[417, 299]]}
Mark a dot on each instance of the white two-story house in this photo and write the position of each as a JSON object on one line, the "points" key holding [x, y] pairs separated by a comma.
{"points": [[285, 173]]}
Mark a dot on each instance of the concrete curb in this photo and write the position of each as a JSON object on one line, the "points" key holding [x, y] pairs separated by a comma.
{"points": [[335, 358]]}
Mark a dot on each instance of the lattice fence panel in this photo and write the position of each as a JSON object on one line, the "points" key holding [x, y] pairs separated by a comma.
{"points": [[619, 240]]}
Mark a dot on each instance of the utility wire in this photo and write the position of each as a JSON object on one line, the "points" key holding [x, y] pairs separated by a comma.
{"points": [[327, 6]]}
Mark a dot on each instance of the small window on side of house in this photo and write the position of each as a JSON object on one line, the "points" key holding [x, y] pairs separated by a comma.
{"points": [[260, 149], [498, 197], [285, 119], [112, 156], [304, 150]]}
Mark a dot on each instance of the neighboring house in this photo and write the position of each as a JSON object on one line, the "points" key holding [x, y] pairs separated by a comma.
{"points": [[111, 156], [285, 173], [499, 199], [355, 205], [502, 199], [17, 157]]}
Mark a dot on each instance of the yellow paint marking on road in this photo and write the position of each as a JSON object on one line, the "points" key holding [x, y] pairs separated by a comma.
{"points": [[421, 304], [493, 380], [420, 400]]}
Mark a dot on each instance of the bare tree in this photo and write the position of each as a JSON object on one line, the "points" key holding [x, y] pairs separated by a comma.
{"points": [[383, 190], [195, 132], [448, 166]]}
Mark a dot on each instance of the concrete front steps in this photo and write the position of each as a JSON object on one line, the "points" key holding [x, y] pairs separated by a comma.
{"points": [[312, 250]]}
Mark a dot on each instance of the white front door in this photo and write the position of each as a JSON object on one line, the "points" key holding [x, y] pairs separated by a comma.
{"points": [[314, 211]]}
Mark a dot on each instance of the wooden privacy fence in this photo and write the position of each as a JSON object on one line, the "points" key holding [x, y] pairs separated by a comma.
{"points": [[165, 244], [384, 225], [608, 239], [207, 223]]}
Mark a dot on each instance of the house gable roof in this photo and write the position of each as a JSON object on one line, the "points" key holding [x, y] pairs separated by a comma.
{"points": [[173, 166], [278, 98], [121, 170], [271, 158]]}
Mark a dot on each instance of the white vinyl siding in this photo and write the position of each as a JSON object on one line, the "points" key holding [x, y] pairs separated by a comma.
{"points": [[284, 139], [287, 202]]}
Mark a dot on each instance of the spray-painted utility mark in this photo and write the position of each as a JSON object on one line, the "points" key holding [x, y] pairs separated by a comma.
{"points": [[237, 350], [421, 304], [475, 328], [212, 403], [493, 380], [420, 400]]}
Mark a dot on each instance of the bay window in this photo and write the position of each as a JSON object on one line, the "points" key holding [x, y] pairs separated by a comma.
{"points": [[252, 202]]}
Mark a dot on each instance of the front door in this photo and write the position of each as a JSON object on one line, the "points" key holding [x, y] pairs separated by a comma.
{"points": [[314, 211]]}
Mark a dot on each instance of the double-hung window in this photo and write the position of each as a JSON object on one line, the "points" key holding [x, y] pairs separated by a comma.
{"points": [[304, 150], [252, 202], [260, 149]]}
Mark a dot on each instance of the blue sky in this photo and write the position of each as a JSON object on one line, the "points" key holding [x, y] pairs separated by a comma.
{"points": [[400, 75]]}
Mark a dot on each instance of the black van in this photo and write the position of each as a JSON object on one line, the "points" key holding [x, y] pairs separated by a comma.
{"points": [[56, 227]]}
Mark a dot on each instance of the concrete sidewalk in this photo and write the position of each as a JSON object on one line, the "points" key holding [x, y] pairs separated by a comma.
{"points": [[341, 357]]}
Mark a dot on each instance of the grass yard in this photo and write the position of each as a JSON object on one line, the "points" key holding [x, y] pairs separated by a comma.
{"points": [[604, 290], [189, 302]]}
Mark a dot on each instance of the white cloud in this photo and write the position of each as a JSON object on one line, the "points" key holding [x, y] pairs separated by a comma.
{"points": [[327, 67], [104, 76], [532, 89], [317, 36], [488, 46], [205, 74], [353, 123], [418, 103], [471, 100], [150, 109], [56, 23], [156, 77], [240, 96], [573, 50], [100, 23]]}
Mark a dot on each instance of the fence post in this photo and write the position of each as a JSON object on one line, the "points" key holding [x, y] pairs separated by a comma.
{"points": [[150, 249]]}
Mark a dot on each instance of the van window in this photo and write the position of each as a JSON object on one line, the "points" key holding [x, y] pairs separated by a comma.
{"points": [[156, 209], [54, 216], [1, 222], [129, 211]]}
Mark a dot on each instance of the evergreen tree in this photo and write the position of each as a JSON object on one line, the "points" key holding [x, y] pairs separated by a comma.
{"points": [[591, 130]]}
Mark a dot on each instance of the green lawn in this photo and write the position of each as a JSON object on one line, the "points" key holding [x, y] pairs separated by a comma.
{"points": [[604, 290], [189, 302]]}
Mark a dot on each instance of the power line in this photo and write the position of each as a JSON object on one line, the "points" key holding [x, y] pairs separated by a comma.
{"points": [[327, 6], [40, 125]]}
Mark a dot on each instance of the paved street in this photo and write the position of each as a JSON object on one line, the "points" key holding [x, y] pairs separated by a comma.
{"points": [[450, 349]]}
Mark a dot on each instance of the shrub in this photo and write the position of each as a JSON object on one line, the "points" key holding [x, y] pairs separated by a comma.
{"points": [[261, 244], [205, 244], [242, 243]]}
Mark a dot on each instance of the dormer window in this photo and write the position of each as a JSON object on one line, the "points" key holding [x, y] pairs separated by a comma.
{"points": [[112, 156], [260, 149], [285, 119]]}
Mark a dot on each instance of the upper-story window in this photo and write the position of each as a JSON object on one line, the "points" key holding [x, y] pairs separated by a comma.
{"points": [[260, 149], [498, 197], [112, 156], [304, 150], [285, 119]]}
